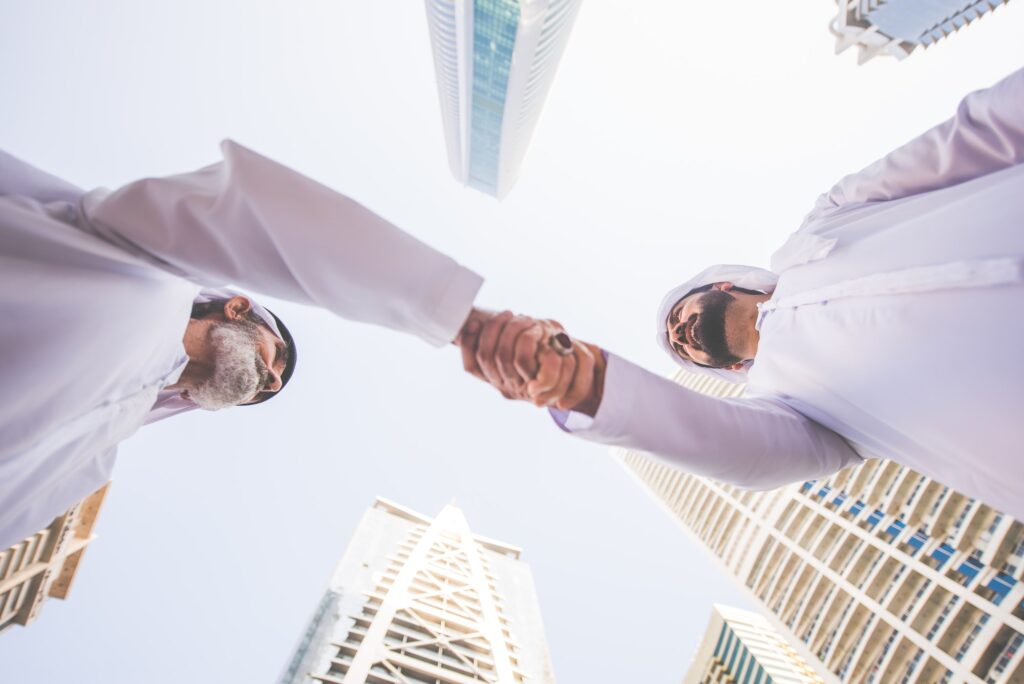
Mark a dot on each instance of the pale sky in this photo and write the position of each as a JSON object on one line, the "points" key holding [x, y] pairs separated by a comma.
{"points": [[674, 136]]}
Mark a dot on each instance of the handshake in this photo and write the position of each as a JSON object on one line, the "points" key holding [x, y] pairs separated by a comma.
{"points": [[533, 360]]}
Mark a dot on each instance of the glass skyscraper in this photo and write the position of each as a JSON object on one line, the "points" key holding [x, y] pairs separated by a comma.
{"points": [[495, 60]]}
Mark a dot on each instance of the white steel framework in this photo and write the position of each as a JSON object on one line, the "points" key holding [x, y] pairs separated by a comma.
{"points": [[897, 27], [419, 600]]}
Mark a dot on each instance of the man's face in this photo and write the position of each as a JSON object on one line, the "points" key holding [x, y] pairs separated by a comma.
{"points": [[248, 360], [696, 328]]}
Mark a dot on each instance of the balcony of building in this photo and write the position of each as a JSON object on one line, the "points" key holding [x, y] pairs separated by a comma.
{"points": [[934, 672], [851, 633], [1007, 546], [902, 603], [877, 646], [954, 509], [884, 579], [926, 500], [798, 594], [827, 542], [862, 567], [903, 665], [814, 606], [924, 617], [979, 519], [962, 631], [841, 605], [1001, 660]]}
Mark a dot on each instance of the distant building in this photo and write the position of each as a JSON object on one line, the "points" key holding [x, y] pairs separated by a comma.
{"points": [[897, 27], [495, 60], [45, 564], [876, 574], [416, 599], [743, 647]]}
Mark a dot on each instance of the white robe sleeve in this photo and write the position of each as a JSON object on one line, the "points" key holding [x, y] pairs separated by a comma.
{"points": [[23, 179], [250, 222], [985, 135], [754, 443]]}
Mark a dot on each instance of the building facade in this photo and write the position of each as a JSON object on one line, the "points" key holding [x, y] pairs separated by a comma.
{"points": [[45, 564], [740, 647], [876, 574], [416, 599], [897, 27], [495, 61]]}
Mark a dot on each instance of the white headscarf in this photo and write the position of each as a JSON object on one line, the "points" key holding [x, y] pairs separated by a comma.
{"points": [[747, 277]]}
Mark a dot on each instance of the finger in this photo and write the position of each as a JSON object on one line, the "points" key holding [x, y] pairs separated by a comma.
{"points": [[554, 324], [527, 346], [506, 351], [486, 346], [583, 378], [565, 375], [547, 374]]}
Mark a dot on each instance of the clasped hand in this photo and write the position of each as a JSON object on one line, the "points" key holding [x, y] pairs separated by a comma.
{"points": [[515, 354]]}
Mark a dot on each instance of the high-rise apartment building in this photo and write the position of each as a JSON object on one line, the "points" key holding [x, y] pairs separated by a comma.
{"points": [[740, 647], [897, 27], [495, 61], [416, 599], [876, 574], [45, 564]]}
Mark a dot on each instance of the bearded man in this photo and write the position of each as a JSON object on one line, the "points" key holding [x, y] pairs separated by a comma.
{"points": [[115, 312], [891, 324]]}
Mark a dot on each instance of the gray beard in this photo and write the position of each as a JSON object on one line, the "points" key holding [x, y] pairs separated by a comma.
{"points": [[238, 370]]}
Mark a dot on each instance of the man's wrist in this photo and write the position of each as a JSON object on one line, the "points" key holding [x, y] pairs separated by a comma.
{"points": [[592, 402], [471, 326]]}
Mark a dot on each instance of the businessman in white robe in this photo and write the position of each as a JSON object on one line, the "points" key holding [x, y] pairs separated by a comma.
{"points": [[891, 324], [114, 312]]}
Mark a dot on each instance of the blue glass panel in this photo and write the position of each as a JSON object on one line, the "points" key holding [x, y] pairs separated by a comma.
{"points": [[969, 570], [494, 35], [942, 553]]}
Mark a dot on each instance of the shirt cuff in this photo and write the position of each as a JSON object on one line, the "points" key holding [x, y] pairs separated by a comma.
{"points": [[452, 307], [576, 422]]}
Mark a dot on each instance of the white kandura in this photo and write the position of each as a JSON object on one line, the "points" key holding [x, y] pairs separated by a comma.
{"points": [[894, 329], [96, 290]]}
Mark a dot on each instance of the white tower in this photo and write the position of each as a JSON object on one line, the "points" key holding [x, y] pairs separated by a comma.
{"points": [[495, 60], [421, 600], [877, 574], [740, 646]]}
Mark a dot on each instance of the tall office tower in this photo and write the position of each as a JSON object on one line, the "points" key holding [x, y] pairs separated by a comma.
{"points": [[421, 600], [495, 60], [877, 574], [45, 563], [740, 647], [897, 27]]}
